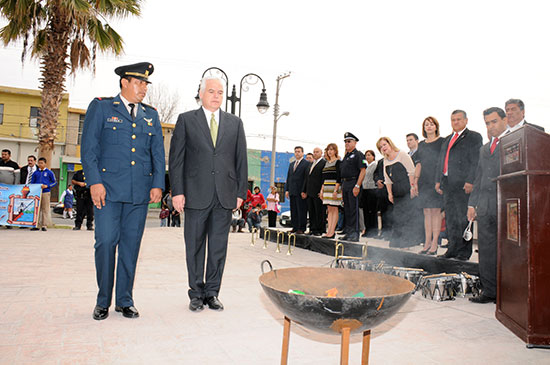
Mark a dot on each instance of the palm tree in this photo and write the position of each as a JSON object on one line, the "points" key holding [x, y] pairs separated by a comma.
{"points": [[66, 36]]}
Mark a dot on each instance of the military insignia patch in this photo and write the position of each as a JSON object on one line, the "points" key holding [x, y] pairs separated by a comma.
{"points": [[114, 120], [149, 122], [116, 102]]}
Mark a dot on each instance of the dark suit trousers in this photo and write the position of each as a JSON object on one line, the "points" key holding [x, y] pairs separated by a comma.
{"points": [[117, 225], [199, 224], [316, 214], [84, 208], [351, 208], [456, 207], [487, 241], [298, 212]]}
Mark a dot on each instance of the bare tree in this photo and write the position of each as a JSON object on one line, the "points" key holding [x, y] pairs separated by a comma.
{"points": [[164, 100]]}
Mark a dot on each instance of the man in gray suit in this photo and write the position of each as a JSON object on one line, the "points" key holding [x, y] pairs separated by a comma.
{"points": [[483, 204], [208, 177]]}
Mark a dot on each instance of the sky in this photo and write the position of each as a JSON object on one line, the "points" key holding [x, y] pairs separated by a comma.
{"points": [[373, 68]]}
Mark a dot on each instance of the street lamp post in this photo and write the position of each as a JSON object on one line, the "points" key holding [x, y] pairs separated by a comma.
{"points": [[276, 117], [248, 79]]}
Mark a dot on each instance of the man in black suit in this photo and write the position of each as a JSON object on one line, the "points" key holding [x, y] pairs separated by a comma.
{"points": [[312, 189], [483, 204], [454, 179], [515, 114], [209, 178], [27, 171], [295, 180]]}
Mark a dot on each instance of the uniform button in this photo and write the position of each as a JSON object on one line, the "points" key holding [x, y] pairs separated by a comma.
{"points": [[150, 134], [212, 172], [84, 178], [134, 125], [133, 136], [103, 170], [133, 163], [133, 149], [114, 128], [150, 174]]}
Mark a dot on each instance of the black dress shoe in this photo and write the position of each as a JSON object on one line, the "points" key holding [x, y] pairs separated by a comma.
{"points": [[482, 299], [35, 229], [44, 229], [461, 258], [128, 312], [76, 228], [344, 237], [90, 228], [100, 313], [353, 238], [196, 304], [214, 303]]}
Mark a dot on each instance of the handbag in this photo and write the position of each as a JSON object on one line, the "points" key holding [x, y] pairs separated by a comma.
{"points": [[468, 235], [278, 208]]}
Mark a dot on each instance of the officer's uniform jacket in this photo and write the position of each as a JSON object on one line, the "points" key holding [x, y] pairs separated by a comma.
{"points": [[126, 156]]}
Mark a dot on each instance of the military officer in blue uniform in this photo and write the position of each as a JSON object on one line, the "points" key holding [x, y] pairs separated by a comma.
{"points": [[352, 172], [123, 159]]}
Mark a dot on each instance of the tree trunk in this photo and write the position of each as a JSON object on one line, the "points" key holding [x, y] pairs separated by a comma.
{"points": [[53, 70]]}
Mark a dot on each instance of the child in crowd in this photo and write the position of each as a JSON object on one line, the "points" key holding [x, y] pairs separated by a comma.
{"points": [[163, 215], [68, 200]]}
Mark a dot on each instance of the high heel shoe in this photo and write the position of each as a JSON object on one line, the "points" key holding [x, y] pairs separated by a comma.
{"points": [[424, 252], [329, 237], [432, 253]]}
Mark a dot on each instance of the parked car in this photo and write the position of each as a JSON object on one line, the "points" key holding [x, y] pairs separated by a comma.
{"points": [[286, 220]]}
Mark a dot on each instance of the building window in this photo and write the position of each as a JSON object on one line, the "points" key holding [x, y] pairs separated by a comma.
{"points": [[1, 113], [281, 190], [80, 126], [34, 117]]}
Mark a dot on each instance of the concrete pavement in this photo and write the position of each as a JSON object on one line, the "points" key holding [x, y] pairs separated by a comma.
{"points": [[48, 289]]}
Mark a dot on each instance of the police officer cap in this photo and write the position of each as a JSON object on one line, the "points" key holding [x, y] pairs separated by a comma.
{"points": [[140, 71], [350, 135]]}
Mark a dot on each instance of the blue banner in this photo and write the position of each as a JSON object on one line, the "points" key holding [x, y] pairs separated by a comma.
{"points": [[20, 205]]}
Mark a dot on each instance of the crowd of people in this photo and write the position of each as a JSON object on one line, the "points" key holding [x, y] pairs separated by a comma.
{"points": [[440, 185], [36, 172]]}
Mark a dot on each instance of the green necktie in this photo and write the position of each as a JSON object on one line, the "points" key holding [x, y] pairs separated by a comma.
{"points": [[213, 129]]}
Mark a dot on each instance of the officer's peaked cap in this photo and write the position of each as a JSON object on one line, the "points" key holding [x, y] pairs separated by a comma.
{"points": [[140, 71], [349, 135]]}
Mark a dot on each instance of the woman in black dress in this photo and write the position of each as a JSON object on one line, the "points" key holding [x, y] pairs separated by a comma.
{"points": [[430, 200], [399, 177]]}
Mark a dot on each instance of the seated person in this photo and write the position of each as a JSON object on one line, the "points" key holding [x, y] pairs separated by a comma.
{"points": [[237, 220], [254, 218]]}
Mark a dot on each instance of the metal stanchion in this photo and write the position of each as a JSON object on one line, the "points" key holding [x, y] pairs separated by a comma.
{"points": [[267, 236], [339, 251], [291, 236], [254, 236], [279, 235]]}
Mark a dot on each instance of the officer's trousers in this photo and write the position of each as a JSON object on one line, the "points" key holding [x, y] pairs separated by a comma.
{"points": [[351, 209], [117, 225]]}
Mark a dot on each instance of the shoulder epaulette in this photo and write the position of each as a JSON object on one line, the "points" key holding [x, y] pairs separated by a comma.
{"points": [[149, 106], [104, 98]]}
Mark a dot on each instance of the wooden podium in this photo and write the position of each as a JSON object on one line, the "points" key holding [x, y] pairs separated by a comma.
{"points": [[523, 266]]}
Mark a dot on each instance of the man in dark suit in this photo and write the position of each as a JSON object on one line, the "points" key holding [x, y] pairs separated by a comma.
{"points": [[295, 181], [312, 189], [27, 171], [123, 159], [208, 177], [483, 204], [454, 179], [515, 114]]}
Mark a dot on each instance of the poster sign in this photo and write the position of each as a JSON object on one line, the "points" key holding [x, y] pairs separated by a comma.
{"points": [[20, 205]]}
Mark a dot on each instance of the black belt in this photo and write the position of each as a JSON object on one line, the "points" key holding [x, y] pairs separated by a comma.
{"points": [[349, 178]]}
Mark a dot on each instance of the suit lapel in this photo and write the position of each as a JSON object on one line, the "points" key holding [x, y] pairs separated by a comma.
{"points": [[221, 127], [120, 108], [203, 125]]}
